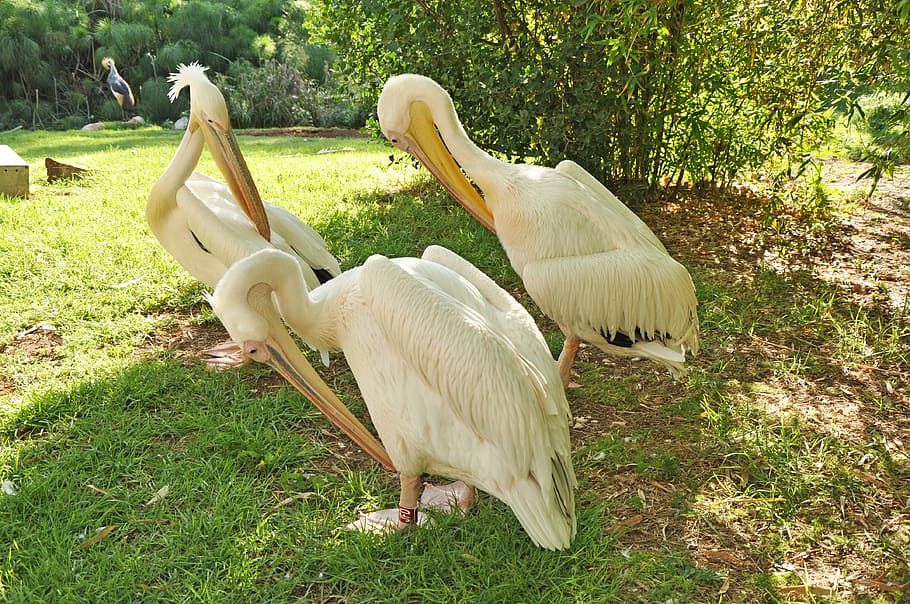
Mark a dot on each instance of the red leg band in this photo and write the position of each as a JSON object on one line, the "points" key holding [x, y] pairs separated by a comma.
{"points": [[407, 515]]}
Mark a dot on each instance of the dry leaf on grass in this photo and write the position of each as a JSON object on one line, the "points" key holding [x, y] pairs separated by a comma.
{"points": [[623, 526], [802, 590], [103, 532]]}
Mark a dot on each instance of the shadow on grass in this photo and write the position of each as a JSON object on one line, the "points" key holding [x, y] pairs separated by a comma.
{"points": [[160, 480], [700, 490], [780, 462]]}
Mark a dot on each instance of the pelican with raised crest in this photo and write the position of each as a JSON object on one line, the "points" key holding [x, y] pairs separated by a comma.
{"points": [[456, 376], [586, 259], [207, 225]]}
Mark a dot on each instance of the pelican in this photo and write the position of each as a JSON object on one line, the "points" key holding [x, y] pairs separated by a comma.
{"points": [[588, 261], [456, 376], [207, 225], [119, 87]]}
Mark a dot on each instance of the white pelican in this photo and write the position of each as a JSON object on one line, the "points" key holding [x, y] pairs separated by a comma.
{"points": [[207, 226], [588, 261], [456, 376], [119, 87]]}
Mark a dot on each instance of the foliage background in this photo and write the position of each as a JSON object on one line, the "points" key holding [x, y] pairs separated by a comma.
{"points": [[51, 51], [635, 90], [645, 92]]}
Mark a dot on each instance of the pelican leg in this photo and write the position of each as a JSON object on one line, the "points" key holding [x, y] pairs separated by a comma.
{"points": [[407, 501], [403, 517], [567, 359]]}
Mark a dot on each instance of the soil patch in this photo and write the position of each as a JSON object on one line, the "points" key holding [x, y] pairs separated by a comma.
{"points": [[307, 132], [36, 343]]}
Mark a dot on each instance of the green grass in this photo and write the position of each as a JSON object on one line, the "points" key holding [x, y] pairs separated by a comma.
{"points": [[779, 461]]}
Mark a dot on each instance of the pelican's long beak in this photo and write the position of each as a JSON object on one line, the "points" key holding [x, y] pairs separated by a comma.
{"points": [[226, 153], [287, 360], [424, 142]]}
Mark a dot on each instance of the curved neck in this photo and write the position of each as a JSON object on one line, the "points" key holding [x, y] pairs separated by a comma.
{"points": [[169, 225], [476, 162], [304, 312], [163, 195]]}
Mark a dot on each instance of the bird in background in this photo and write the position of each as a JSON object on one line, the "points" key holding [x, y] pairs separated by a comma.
{"points": [[457, 378], [208, 225], [119, 87], [586, 259]]}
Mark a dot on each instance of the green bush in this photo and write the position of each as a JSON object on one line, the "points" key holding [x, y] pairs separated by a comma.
{"points": [[156, 106], [53, 49], [633, 90], [271, 95]]}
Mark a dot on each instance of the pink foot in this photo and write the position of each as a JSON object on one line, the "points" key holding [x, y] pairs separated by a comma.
{"points": [[382, 522], [225, 355], [448, 497]]}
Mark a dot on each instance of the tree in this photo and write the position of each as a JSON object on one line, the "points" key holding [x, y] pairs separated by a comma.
{"points": [[633, 90]]}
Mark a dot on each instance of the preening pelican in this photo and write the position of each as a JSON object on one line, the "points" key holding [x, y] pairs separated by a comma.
{"points": [[588, 261], [119, 87], [456, 376], [207, 226]]}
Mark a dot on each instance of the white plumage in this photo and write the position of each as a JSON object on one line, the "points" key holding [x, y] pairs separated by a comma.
{"points": [[457, 378], [207, 225], [587, 260]]}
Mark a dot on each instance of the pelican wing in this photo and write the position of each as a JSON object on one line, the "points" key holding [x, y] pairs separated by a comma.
{"points": [[219, 226], [457, 354], [302, 239], [524, 333], [486, 286], [620, 212], [520, 324], [290, 234], [630, 291], [227, 234]]}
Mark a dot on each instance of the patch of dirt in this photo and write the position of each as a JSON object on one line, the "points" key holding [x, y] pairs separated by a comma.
{"points": [[187, 339], [307, 132], [36, 343], [863, 259]]}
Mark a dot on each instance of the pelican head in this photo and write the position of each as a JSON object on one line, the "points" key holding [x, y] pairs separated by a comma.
{"points": [[244, 302], [410, 108], [208, 111]]}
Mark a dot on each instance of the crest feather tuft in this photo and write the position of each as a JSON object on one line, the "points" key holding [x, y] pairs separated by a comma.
{"points": [[185, 75]]}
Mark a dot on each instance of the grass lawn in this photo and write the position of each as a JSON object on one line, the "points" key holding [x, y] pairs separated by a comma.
{"points": [[777, 470]]}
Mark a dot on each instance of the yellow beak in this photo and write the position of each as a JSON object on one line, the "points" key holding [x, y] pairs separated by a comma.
{"points": [[282, 354], [424, 142], [226, 152]]}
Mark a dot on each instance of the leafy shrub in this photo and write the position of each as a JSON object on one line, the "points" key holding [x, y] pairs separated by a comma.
{"points": [[56, 47], [156, 106], [278, 95], [271, 95], [633, 90]]}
